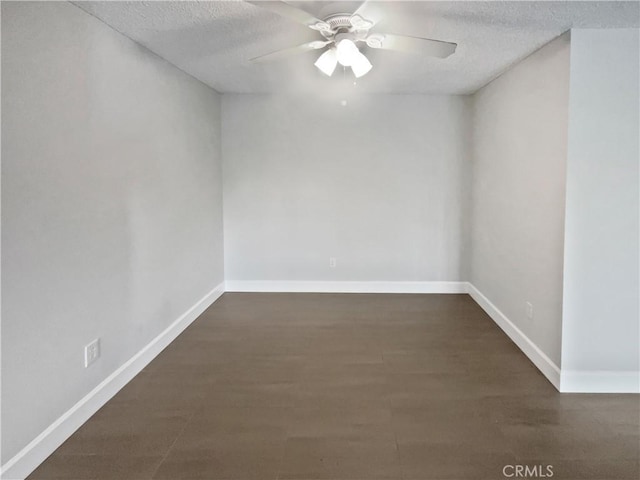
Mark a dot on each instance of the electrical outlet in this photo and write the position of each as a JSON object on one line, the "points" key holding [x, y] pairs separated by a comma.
{"points": [[91, 352], [529, 310], [332, 262]]}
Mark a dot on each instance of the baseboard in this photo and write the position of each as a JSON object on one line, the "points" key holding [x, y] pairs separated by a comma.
{"points": [[28, 459], [599, 382], [548, 368], [344, 287]]}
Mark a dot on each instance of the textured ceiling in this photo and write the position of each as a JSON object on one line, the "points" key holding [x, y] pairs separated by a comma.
{"points": [[213, 41]]}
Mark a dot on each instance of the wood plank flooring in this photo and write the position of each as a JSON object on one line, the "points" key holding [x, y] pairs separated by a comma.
{"points": [[344, 386]]}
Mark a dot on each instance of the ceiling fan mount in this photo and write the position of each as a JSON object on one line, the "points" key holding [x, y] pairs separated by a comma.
{"points": [[341, 23]]}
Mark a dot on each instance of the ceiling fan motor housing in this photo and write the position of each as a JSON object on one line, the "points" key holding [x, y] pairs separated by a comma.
{"points": [[343, 23]]}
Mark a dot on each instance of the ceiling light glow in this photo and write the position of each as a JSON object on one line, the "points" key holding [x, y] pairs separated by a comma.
{"points": [[347, 52]]}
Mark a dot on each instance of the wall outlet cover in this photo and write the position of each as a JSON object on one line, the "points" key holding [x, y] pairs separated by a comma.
{"points": [[529, 306], [91, 352]]}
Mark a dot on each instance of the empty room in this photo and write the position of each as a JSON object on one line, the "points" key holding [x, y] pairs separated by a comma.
{"points": [[306, 240]]}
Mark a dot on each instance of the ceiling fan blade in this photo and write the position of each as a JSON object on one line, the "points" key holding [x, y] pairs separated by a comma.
{"points": [[361, 8], [293, 13], [433, 48], [370, 10], [288, 52]]}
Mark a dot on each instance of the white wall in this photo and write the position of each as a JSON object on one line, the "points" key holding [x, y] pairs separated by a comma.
{"points": [[519, 162], [380, 185], [111, 205], [111, 170], [601, 317]]}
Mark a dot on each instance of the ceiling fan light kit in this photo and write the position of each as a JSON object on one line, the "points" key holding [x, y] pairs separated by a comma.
{"points": [[346, 31], [341, 32], [346, 54]]}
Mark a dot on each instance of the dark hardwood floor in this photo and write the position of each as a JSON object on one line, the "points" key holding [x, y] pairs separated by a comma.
{"points": [[340, 386]]}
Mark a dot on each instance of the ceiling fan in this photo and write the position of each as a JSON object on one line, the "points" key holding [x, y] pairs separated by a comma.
{"points": [[341, 32]]}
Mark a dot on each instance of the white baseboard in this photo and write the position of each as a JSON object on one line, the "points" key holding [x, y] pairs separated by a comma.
{"points": [[344, 287], [530, 349], [28, 459], [599, 382]]}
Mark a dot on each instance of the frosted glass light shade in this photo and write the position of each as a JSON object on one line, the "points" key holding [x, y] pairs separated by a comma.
{"points": [[347, 52], [360, 65], [327, 62]]}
